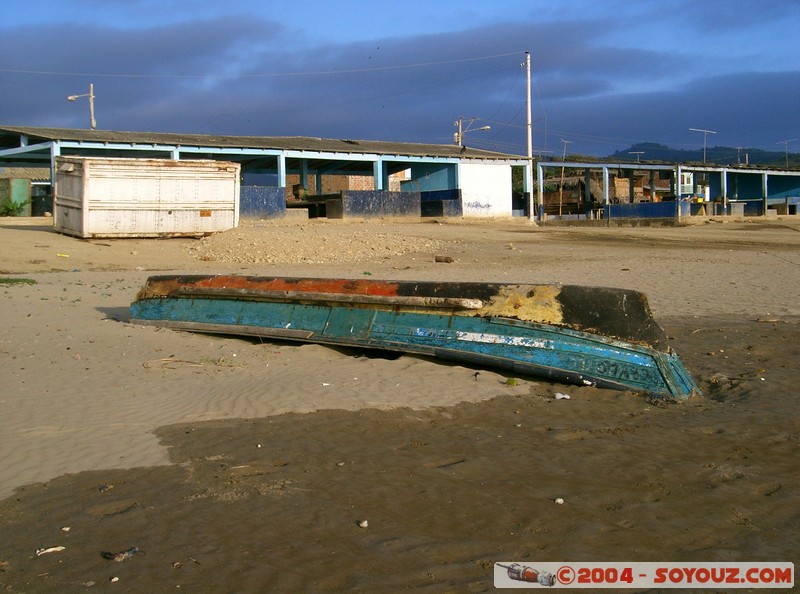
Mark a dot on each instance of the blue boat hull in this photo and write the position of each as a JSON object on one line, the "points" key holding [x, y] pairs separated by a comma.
{"points": [[536, 349]]}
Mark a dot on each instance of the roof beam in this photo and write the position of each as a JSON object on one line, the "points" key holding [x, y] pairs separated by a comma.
{"points": [[28, 149]]}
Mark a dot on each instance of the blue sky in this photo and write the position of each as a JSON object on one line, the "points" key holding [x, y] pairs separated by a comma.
{"points": [[606, 74]]}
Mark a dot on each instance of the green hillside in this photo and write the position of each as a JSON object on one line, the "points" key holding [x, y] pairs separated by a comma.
{"points": [[716, 155]]}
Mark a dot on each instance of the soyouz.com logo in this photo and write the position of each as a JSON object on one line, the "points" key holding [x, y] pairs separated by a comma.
{"points": [[697, 575]]}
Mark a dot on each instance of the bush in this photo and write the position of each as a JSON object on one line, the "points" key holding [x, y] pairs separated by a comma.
{"points": [[9, 208]]}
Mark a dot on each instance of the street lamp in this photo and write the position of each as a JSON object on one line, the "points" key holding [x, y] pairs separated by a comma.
{"points": [[458, 137], [705, 136], [638, 155], [90, 95]]}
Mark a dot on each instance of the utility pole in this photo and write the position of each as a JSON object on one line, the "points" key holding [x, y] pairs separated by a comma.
{"points": [[458, 137], [705, 136], [785, 144], [92, 121], [529, 180]]}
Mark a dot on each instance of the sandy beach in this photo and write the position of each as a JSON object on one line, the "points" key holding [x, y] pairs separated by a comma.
{"points": [[240, 465]]}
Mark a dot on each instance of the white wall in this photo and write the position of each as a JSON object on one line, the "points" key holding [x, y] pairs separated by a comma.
{"points": [[485, 189]]}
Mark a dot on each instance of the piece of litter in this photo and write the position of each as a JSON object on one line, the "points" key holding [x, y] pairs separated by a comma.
{"points": [[324, 384], [40, 552], [114, 580], [63, 255], [65, 529], [559, 501], [363, 524], [560, 396], [121, 556]]}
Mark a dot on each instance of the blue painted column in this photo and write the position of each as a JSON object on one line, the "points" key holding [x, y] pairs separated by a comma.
{"points": [[724, 185], [384, 176], [652, 186], [587, 191], [304, 174], [540, 189], [527, 187], [55, 151], [631, 186], [377, 174], [282, 172]]}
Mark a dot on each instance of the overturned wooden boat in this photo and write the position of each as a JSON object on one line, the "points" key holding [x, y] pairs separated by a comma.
{"points": [[582, 335]]}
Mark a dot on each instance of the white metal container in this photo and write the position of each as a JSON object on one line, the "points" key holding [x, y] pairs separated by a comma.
{"points": [[105, 197]]}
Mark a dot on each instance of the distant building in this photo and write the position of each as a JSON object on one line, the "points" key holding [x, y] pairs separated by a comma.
{"points": [[29, 187], [358, 178]]}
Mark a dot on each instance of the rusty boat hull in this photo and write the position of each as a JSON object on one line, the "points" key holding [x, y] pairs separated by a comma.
{"points": [[573, 334]]}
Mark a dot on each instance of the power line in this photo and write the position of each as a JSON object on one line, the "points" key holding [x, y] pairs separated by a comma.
{"points": [[261, 75]]}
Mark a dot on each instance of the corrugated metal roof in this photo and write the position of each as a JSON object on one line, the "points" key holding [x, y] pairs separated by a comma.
{"points": [[31, 173], [36, 135]]}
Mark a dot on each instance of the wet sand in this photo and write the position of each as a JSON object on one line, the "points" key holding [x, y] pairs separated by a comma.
{"points": [[241, 466]]}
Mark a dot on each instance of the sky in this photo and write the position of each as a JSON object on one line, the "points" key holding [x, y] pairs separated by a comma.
{"points": [[605, 74]]}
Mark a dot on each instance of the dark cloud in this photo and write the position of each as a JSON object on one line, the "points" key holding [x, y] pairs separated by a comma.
{"points": [[741, 108], [186, 49], [243, 74], [742, 15]]}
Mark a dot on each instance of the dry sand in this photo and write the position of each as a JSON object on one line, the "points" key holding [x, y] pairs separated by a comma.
{"points": [[245, 466]]}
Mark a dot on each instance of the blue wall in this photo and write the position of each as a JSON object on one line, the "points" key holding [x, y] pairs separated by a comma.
{"points": [[442, 203], [270, 202], [262, 201], [747, 186], [742, 186], [429, 177], [379, 203], [783, 186], [259, 178], [644, 210]]}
